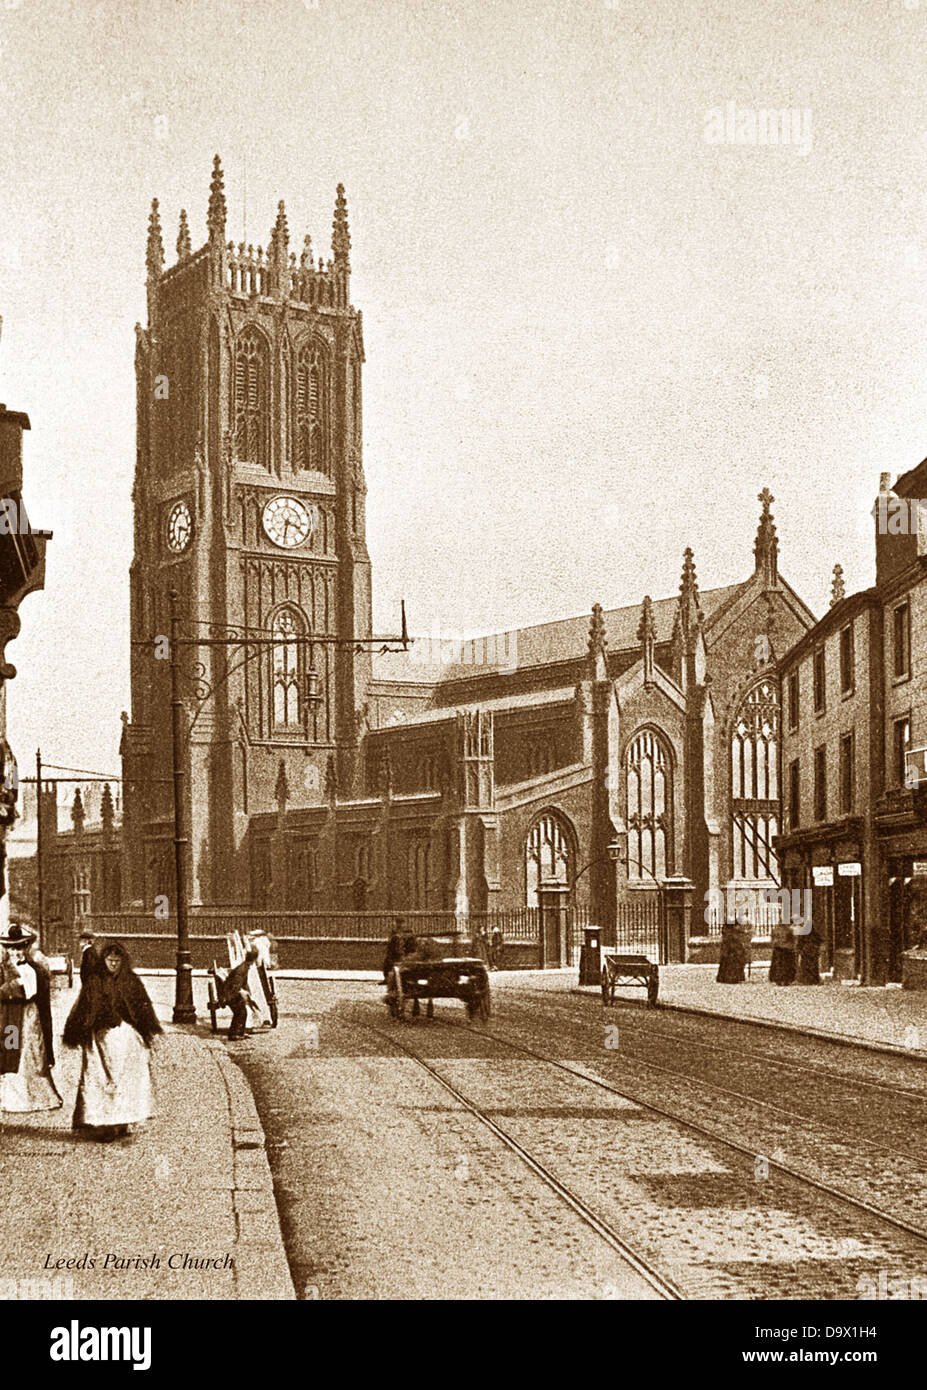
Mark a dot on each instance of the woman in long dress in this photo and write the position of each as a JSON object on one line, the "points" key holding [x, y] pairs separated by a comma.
{"points": [[26, 1051], [113, 1022], [782, 960]]}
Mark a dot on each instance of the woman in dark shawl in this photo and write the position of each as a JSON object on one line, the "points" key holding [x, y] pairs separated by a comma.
{"points": [[733, 955], [782, 959], [113, 1022]]}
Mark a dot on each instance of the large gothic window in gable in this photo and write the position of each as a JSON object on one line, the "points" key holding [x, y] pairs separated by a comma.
{"points": [[549, 856], [251, 404], [649, 806], [288, 670], [755, 783], [311, 408]]}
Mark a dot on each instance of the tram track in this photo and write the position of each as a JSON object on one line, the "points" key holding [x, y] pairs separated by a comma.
{"points": [[834, 1193], [910, 1096], [718, 1247], [661, 1285], [766, 1058], [793, 1116]]}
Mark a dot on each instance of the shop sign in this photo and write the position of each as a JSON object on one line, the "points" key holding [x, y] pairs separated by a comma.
{"points": [[850, 870], [919, 868], [823, 875]]}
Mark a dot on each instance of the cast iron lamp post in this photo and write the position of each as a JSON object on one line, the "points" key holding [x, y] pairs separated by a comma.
{"points": [[184, 1008]]}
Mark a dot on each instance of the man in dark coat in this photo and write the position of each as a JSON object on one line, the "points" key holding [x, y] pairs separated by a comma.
{"points": [[395, 948], [237, 995], [88, 955]]}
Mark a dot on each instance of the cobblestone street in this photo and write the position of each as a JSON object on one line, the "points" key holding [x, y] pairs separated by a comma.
{"points": [[509, 1161]]}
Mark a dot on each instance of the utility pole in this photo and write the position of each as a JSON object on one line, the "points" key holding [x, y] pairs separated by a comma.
{"points": [[184, 1008], [38, 842]]}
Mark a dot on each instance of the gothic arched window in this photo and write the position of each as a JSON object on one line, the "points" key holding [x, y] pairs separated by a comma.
{"points": [[251, 413], [755, 783], [288, 667], [428, 775], [548, 855], [310, 408], [649, 801], [419, 873]]}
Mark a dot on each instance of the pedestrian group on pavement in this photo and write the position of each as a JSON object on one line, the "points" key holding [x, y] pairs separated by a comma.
{"points": [[112, 1022]]}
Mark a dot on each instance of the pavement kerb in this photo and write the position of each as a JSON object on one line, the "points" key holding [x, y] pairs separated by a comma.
{"points": [[756, 1020], [267, 1273]]}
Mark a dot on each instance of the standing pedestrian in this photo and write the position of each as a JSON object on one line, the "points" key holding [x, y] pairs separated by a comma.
{"points": [[809, 954], [782, 960], [496, 949], [394, 948], [27, 1054], [88, 954], [733, 954], [113, 1022]]}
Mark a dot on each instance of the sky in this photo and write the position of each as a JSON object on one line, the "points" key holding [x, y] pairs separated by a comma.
{"points": [[598, 318]]}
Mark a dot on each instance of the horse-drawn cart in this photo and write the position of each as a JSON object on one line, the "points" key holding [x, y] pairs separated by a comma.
{"points": [[466, 979], [620, 969]]}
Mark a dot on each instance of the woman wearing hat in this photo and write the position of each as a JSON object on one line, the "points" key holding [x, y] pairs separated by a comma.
{"points": [[113, 1022], [26, 1051]]}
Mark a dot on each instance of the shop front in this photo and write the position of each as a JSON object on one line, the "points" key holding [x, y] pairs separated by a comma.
{"points": [[903, 843], [907, 909], [832, 869]]}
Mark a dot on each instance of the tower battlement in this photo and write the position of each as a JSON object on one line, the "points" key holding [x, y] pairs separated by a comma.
{"points": [[244, 270]]}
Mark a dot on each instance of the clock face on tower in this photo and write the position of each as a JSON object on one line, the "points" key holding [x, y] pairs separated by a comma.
{"points": [[288, 522], [179, 528]]}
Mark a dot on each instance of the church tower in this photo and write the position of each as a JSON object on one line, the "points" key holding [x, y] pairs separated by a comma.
{"points": [[249, 502]]}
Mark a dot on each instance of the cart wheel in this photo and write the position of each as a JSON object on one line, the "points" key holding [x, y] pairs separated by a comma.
{"points": [[653, 987]]}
